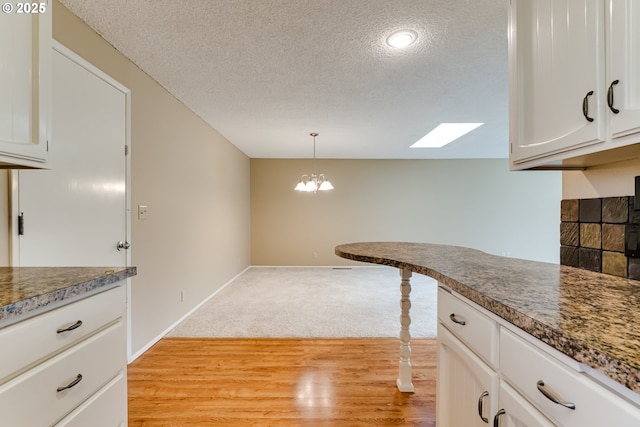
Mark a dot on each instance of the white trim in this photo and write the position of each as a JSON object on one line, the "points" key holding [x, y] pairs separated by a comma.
{"points": [[59, 47], [177, 322]]}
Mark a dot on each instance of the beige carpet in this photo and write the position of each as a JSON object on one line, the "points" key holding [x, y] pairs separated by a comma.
{"points": [[314, 302]]}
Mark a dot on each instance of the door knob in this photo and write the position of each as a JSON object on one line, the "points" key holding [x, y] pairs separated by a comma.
{"points": [[123, 245]]}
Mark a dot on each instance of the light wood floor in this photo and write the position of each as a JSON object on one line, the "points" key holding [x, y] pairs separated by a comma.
{"points": [[232, 382]]}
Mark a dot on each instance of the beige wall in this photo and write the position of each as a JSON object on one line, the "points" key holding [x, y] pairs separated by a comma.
{"points": [[474, 203], [209, 220], [194, 181], [616, 179]]}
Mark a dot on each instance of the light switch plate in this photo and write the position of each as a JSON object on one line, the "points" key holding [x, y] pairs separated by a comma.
{"points": [[143, 212]]}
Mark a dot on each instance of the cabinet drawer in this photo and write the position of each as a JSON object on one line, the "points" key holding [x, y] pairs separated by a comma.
{"points": [[35, 339], [32, 399], [470, 325], [106, 408], [525, 365]]}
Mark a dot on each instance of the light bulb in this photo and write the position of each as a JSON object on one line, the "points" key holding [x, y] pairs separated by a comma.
{"points": [[402, 39], [326, 185]]}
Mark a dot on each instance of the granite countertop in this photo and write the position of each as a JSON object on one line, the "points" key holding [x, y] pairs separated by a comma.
{"points": [[591, 317], [26, 291]]}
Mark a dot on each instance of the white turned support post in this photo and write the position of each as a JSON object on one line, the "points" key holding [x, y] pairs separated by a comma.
{"points": [[404, 375]]}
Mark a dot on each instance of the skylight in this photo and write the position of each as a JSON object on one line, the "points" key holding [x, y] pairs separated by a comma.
{"points": [[445, 133]]}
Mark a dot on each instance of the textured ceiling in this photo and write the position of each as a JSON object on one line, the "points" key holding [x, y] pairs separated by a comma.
{"points": [[266, 73]]}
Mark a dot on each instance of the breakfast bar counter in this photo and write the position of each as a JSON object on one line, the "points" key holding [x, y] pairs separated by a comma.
{"points": [[593, 318]]}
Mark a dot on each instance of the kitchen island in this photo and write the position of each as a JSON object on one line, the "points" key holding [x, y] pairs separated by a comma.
{"points": [[590, 317], [64, 332]]}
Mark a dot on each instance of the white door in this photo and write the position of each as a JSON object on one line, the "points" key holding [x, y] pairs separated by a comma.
{"points": [[77, 212]]}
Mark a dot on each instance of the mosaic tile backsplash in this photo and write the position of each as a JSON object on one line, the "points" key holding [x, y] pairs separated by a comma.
{"points": [[592, 235]]}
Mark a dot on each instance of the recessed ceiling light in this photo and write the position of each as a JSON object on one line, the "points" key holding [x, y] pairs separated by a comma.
{"points": [[444, 133], [402, 38]]}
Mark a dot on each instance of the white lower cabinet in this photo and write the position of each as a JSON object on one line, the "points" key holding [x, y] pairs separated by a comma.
{"points": [[529, 385], [515, 411], [467, 387], [106, 408], [472, 327], [75, 374], [566, 396]]}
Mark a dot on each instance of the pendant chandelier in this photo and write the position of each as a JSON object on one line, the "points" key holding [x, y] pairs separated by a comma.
{"points": [[313, 182]]}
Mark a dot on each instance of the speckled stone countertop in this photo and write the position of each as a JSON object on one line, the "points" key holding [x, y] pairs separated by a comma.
{"points": [[591, 317], [26, 291]]}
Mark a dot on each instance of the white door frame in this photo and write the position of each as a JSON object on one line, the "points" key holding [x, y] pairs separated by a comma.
{"points": [[14, 199]]}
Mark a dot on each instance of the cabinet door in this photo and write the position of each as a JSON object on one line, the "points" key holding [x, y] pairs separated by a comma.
{"points": [[515, 411], [555, 77], [25, 83], [623, 30], [467, 387]]}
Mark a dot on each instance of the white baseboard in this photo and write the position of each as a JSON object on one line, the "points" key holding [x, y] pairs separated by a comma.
{"points": [[166, 331], [173, 325]]}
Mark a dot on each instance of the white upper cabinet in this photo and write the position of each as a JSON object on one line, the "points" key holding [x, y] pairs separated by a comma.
{"points": [[25, 84], [554, 76], [623, 71], [572, 65]]}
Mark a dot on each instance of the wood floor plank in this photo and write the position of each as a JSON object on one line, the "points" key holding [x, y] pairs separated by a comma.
{"points": [[201, 382]]}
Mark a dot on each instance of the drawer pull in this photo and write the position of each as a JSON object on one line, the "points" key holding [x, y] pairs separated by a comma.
{"points": [[456, 320], [71, 328], [71, 384], [496, 419], [552, 396], [480, 404]]}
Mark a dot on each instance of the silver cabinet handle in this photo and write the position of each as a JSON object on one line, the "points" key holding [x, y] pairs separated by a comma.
{"points": [[453, 317], [553, 396], [496, 419], [480, 404]]}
